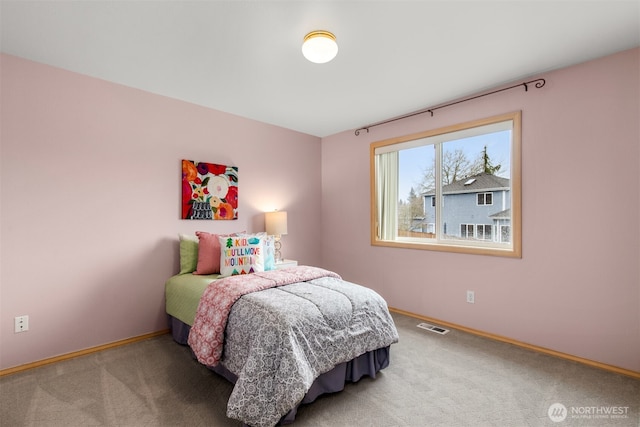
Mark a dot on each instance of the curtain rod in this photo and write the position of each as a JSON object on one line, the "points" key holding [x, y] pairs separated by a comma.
{"points": [[538, 84]]}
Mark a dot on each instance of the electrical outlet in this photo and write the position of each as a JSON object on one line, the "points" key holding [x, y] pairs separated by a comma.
{"points": [[22, 324], [471, 297]]}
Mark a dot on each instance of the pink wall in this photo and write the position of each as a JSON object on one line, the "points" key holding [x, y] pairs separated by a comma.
{"points": [[90, 176], [577, 287]]}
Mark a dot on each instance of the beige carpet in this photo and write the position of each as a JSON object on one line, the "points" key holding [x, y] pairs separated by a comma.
{"points": [[452, 380]]}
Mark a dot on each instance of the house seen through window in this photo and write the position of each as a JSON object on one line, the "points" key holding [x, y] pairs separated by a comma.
{"points": [[454, 189]]}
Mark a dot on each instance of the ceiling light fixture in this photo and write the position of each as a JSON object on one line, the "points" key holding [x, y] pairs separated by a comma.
{"points": [[319, 46]]}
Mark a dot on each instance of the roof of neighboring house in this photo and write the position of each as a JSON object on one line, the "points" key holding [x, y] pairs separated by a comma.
{"points": [[475, 184], [505, 214]]}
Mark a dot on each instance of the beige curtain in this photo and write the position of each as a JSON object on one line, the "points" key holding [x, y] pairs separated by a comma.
{"points": [[387, 195]]}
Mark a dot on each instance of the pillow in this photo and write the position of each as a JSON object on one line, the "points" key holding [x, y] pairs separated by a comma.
{"points": [[208, 253], [269, 253], [241, 254], [188, 253]]}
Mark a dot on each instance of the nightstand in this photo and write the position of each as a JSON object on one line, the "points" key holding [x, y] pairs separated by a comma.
{"points": [[286, 263]]}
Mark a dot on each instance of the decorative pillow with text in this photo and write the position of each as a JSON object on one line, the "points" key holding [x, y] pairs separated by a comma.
{"points": [[242, 254]]}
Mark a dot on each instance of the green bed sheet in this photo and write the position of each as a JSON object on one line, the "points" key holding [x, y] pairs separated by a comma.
{"points": [[182, 294]]}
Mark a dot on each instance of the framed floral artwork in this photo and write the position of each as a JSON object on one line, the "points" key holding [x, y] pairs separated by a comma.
{"points": [[209, 191]]}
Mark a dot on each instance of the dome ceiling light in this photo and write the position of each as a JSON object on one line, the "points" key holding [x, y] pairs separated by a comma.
{"points": [[319, 46]]}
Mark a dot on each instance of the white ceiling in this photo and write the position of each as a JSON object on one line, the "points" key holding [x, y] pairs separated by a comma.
{"points": [[244, 57]]}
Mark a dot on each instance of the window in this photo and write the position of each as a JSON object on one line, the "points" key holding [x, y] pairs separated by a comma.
{"points": [[455, 189], [483, 231], [485, 199], [477, 231], [505, 233], [466, 231]]}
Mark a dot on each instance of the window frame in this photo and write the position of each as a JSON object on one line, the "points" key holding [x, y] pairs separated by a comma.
{"points": [[484, 198], [484, 233], [469, 230], [481, 248]]}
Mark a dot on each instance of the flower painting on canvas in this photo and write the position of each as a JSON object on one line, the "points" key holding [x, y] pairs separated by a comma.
{"points": [[209, 191]]}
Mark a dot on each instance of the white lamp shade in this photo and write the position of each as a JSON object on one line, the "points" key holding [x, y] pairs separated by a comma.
{"points": [[319, 47], [276, 223]]}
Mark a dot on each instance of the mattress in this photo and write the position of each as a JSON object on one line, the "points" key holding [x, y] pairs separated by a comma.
{"points": [[183, 292]]}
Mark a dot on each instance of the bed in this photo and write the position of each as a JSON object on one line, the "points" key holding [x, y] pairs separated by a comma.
{"points": [[283, 337]]}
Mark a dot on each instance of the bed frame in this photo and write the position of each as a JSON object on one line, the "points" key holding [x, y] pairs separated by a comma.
{"points": [[367, 364]]}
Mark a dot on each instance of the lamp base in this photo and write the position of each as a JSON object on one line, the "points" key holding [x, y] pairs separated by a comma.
{"points": [[277, 245]]}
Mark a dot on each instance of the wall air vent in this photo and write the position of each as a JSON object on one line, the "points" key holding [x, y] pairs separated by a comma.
{"points": [[432, 328]]}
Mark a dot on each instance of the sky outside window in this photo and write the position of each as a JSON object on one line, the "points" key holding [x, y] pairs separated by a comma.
{"points": [[414, 161]]}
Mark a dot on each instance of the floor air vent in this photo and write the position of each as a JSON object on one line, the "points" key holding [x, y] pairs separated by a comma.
{"points": [[432, 328]]}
